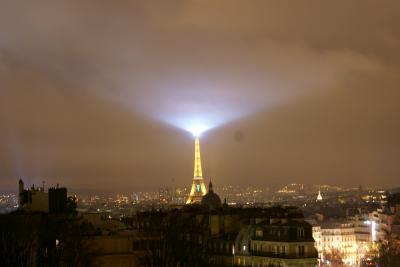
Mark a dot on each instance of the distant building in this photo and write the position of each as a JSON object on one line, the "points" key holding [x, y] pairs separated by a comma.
{"points": [[211, 200], [319, 197], [57, 199], [291, 189], [165, 195], [32, 199], [36, 199]]}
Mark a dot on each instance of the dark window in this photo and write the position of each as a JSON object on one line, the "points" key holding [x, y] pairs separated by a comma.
{"points": [[301, 251], [136, 245]]}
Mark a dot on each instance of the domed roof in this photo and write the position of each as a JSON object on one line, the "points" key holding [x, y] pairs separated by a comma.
{"points": [[211, 200]]}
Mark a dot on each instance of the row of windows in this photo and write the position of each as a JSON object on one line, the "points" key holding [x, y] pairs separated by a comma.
{"points": [[242, 262], [279, 232], [338, 232], [332, 239], [274, 249], [221, 247], [269, 248]]}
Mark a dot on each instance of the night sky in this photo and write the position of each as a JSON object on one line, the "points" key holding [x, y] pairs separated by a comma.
{"points": [[100, 94]]}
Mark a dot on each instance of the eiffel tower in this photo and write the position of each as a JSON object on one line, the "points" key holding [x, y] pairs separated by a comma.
{"points": [[198, 189]]}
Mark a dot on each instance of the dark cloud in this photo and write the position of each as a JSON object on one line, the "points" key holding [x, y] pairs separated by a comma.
{"points": [[90, 91]]}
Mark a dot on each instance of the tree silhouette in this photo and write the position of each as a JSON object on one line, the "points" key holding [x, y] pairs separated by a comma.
{"points": [[20, 240], [174, 240], [41, 239]]}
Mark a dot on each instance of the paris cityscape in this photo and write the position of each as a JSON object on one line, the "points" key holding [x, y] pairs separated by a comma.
{"points": [[342, 226], [196, 133]]}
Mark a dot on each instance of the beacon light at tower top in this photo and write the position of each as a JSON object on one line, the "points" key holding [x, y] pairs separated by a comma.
{"points": [[197, 130]]}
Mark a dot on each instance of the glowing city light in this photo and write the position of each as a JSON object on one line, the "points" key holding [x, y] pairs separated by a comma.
{"points": [[373, 231]]}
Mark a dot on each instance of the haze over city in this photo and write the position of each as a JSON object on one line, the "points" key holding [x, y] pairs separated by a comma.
{"points": [[102, 95]]}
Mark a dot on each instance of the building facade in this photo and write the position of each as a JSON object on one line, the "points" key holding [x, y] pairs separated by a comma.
{"points": [[35, 199], [339, 240], [226, 236], [277, 242]]}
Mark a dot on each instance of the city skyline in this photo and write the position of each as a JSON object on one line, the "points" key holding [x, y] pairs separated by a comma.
{"points": [[200, 133], [102, 95]]}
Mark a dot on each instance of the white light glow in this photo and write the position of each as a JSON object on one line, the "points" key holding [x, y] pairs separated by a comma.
{"points": [[197, 130], [373, 231]]}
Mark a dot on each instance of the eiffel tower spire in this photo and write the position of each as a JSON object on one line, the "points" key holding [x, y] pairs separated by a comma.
{"points": [[198, 189], [197, 159]]}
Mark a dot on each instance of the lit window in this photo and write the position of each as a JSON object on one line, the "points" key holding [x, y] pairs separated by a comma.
{"points": [[300, 232], [244, 247], [259, 233]]}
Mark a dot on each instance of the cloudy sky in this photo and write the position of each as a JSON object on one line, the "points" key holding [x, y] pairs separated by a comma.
{"points": [[100, 94]]}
